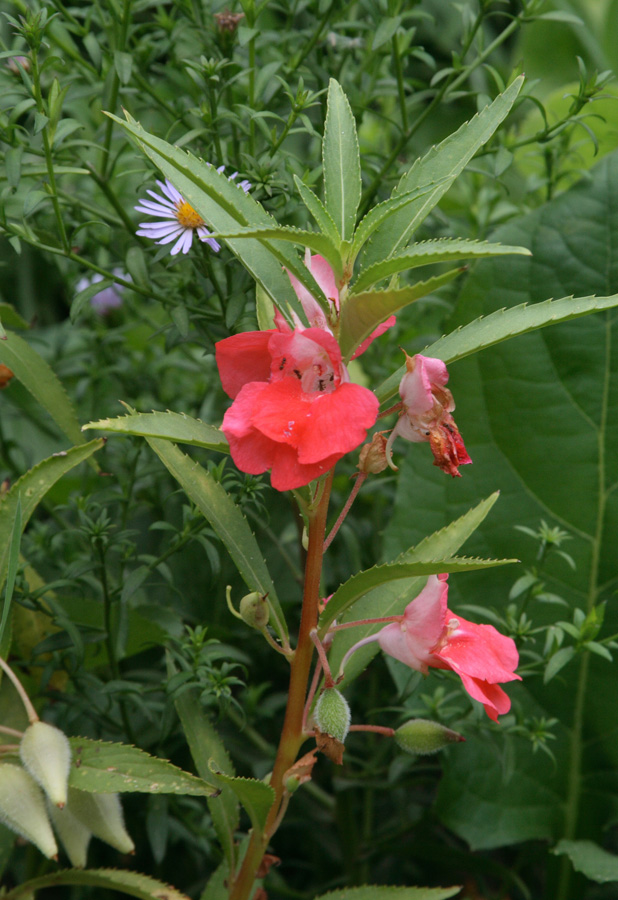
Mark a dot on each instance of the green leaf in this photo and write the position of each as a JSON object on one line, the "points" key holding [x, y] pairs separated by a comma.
{"points": [[123, 63], [590, 859], [359, 585], [227, 520], [29, 490], [428, 253], [392, 598], [10, 316], [12, 165], [225, 207], [362, 313], [205, 745], [385, 30], [341, 161], [442, 164], [384, 892], [558, 661], [255, 796], [11, 572], [501, 325], [316, 208], [318, 243], [122, 880], [82, 299], [105, 768], [38, 377], [169, 426]]}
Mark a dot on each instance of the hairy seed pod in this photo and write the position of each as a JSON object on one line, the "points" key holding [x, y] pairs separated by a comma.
{"points": [[46, 754], [423, 736], [22, 809], [332, 714], [102, 814], [75, 836]]}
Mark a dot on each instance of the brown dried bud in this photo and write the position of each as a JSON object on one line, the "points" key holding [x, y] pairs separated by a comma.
{"points": [[228, 22], [5, 375], [373, 455], [12, 64]]}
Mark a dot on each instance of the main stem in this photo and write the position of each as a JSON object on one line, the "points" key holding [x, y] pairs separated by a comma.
{"points": [[292, 732]]}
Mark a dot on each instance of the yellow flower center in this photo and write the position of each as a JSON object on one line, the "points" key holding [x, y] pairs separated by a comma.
{"points": [[187, 216]]}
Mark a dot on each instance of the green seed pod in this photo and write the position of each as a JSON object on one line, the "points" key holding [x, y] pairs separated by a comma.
{"points": [[254, 610], [22, 809], [75, 836], [102, 814], [422, 736], [332, 714], [46, 754]]}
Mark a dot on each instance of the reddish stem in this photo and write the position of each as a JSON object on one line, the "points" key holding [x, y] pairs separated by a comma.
{"points": [[360, 478], [379, 729]]}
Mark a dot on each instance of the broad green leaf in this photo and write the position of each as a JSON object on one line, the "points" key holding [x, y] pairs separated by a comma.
{"points": [[590, 859], [427, 253], [255, 796], [225, 207], [377, 216], [205, 745], [316, 208], [362, 313], [501, 325], [104, 768], [169, 426], [226, 519], [390, 892], [391, 599], [9, 316], [364, 582], [30, 489], [442, 164], [539, 416], [318, 243], [217, 884], [341, 162], [39, 378], [122, 880]]}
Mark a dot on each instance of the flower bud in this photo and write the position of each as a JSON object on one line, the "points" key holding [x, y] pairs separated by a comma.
{"points": [[332, 714], [46, 754], [75, 836], [422, 736], [254, 610], [372, 459], [102, 814], [22, 809]]}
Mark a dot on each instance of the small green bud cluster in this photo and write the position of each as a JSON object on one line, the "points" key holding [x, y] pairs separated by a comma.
{"points": [[37, 795], [422, 736]]}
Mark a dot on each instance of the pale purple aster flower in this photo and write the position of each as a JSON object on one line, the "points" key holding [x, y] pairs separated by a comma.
{"points": [[109, 298], [178, 219]]}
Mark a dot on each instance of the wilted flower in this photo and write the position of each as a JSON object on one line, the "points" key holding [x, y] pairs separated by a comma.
{"points": [[426, 413], [178, 219]]}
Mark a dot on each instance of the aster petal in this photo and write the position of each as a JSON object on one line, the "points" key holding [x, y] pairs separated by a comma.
{"points": [[155, 209], [177, 233], [243, 358], [170, 191], [168, 204], [159, 228]]}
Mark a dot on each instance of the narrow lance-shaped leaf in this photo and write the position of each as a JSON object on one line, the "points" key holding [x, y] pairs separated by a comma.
{"points": [[228, 522], [315, 206], [42, 382], [442, 164], [169, 426], [362, 313], [133, 884], [430, 252], [30, 489], [500, 326], [225, 206], [255, 796], [341, 161], [383, 892]]}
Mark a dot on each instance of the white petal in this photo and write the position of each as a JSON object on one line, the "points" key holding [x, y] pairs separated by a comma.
{"points": [[170, 191], [155, 209], [161, 227], [172, 236], [159, 199], [182, 243]]}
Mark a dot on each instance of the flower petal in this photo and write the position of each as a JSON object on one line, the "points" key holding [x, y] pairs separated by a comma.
{"points": [[374, 334], [243, 358]]}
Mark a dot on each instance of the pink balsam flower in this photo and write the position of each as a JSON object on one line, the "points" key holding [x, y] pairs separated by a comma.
{"points": [[429, 634], [427, 405]]}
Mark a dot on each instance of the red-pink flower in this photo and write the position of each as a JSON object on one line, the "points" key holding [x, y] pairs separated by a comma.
{"points": [[429, 634], [426, 413], [295, 411]]}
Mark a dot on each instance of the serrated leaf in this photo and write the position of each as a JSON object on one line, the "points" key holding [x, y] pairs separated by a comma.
{"points": [[122, 880], [362, 313], [391, 599], [227, 520], [384, 892], [206, 745], [590, 859], [225, 207], [442, 164], [315, 206], [39, 378], [428, 253], [105, 768], [359, 585], [169, 426], [341, 161], [501, 325], [255, 796], [30, 489]]}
